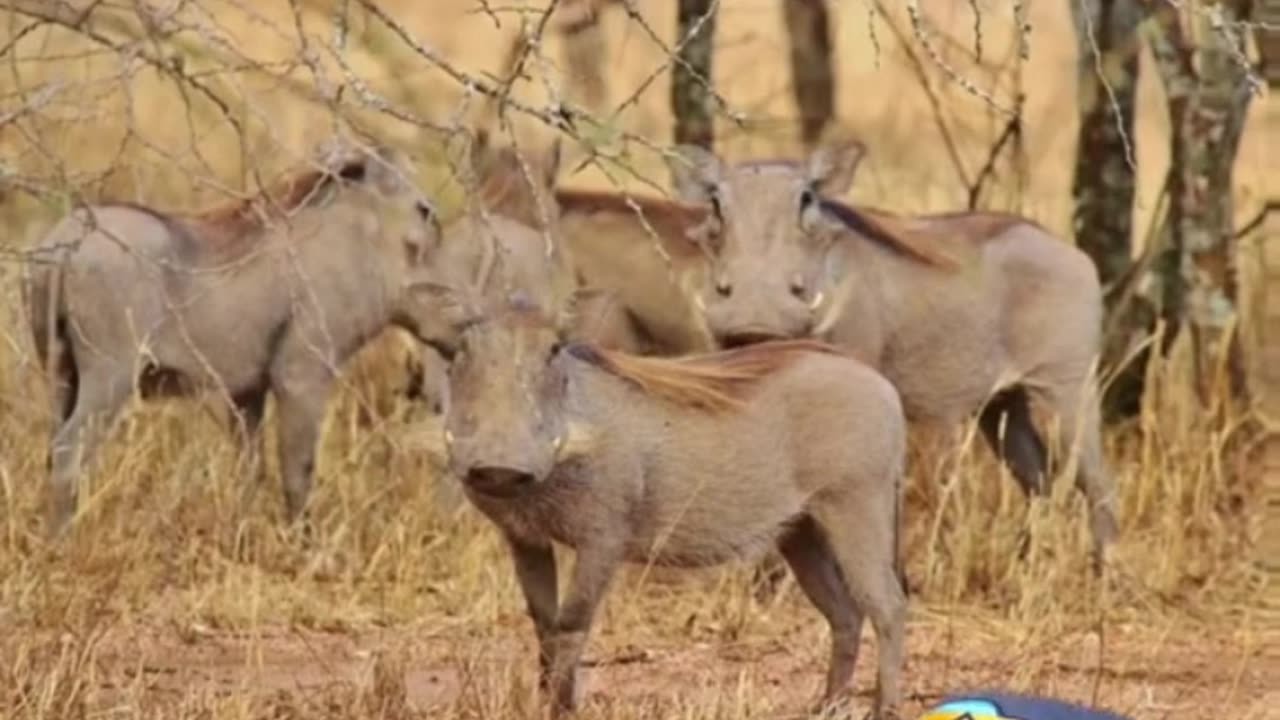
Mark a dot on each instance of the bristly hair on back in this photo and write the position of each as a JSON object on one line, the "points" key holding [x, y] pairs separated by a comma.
{"points": [[671, 220], [504, 190], [712, 382], [285, 196], [891, 231]]}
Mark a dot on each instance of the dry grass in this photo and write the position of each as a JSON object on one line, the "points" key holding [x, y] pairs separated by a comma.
{"points": [[405, 609]]}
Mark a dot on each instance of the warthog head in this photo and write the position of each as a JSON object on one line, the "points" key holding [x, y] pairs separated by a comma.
{"points": [[408, 230], [496, 245], [506, 425], [772, 261]]}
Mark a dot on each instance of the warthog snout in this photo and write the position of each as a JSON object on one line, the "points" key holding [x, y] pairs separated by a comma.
{"points": [[497, 480], [756, 314]]}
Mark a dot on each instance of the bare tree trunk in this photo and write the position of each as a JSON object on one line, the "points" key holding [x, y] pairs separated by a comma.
{"points": [[1104, 183], [584, 48], [1267, 33], [1209, 89], [577, 23], [1264, 385], [691, 100], [812, 77], [585, 58]]}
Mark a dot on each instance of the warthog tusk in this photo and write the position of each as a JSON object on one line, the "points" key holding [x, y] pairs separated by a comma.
{"points": [[816, 301], [448, 438], [576, 440], [697, 301], [556, 442]]}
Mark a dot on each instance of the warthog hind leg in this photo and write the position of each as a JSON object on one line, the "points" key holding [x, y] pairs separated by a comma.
{"points": [[1080, 432], [862, 540], [102, 394], [806, 550], [1006, 424], [246, 422]]}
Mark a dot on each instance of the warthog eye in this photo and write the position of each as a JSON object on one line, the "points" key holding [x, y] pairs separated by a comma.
{"points": [[556, 347], [807, 199], [797, 287], [355, 172], [723, 286]]}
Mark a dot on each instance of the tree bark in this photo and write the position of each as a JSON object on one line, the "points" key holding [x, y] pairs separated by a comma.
{"points": [[1209, 90], [691, 102], [1104, 181], [1264, 385], [1267, 33], [584, 48], [812, 76]]}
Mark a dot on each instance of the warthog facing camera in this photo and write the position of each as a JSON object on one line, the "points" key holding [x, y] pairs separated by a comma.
{"points": [[972, 312], [684, 462]]}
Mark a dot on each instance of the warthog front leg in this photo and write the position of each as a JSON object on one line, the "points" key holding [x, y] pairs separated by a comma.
{"points": [[593, 568], [301, 391], [535, 567]]}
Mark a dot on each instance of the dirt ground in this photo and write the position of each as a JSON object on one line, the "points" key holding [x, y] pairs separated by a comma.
{"points": [[1146, 671]]}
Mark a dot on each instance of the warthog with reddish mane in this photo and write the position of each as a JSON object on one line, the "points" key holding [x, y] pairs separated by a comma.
{"points": [[684, 462], [964, 312], [271, 294], [607, 243]]}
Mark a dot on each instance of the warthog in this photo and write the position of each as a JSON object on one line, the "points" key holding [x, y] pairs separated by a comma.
{"points": [[964, 312], [684, 462], [599, 242], [271, 294], [634, 250]]}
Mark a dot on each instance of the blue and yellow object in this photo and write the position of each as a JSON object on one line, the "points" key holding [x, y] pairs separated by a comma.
{"points": [[1008, 706]]}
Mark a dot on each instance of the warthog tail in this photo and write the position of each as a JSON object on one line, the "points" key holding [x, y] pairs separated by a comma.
{"points": [[899, 567]]}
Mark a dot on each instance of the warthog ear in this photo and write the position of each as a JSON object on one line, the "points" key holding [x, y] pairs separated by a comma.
{"points": [[454, 305], [578, 440], [832, 167], [427, 236], [695, 173]]}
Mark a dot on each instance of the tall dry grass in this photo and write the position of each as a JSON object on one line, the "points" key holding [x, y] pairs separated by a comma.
{"points": [[404, 607]]}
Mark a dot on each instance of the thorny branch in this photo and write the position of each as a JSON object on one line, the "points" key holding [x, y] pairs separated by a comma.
{"points": [[921, 33], [99, 22], [63, 14]]}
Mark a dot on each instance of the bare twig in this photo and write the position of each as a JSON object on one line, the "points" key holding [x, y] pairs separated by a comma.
{"points": [[1012, 129], [935, 103]]}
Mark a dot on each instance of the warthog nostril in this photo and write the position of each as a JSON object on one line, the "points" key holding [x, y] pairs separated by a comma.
{"points": [[493, 480], [724, 287], [797, 289]]}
